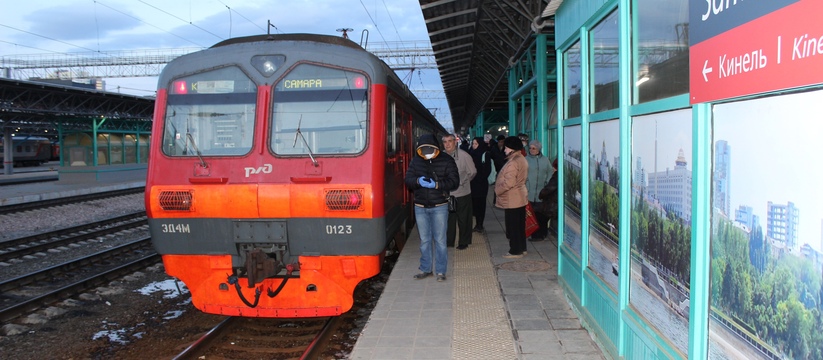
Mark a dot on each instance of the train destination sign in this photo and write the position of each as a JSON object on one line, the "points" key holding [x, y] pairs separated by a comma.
{"points": [[742, 47]]}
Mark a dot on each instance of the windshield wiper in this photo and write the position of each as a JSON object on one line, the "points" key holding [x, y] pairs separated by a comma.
{"points": [[298, 133], [191, 138]]}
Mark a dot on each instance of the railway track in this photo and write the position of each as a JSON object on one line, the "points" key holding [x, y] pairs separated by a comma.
{"points": [[20, 247], [28, 293], [33, 205], [256, 338]]}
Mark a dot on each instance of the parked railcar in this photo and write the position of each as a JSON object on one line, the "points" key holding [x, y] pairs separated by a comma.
{"points": [[276, 182], [29, 150], [55, 150]]}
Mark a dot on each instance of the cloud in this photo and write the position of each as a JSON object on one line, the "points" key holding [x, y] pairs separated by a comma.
{"points": [[78, 25]]}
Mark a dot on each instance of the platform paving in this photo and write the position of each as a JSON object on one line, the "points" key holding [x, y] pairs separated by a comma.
{"points": [[488, 308], [29, 187]]}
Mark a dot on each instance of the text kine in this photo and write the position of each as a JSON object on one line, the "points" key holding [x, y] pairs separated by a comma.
{"points": [[802, 47]]}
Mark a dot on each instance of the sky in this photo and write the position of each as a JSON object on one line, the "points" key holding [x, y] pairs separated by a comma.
{"points": [[83, 26], [775, 156]]}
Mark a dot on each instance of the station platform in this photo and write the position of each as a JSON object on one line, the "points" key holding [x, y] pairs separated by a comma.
{"points": [[37, 186], [489, 307]]}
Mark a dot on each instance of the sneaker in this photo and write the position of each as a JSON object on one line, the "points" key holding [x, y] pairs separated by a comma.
{"points": [[422, 275], [479, 229], [512, 256], [441, 277], [462, 247]]}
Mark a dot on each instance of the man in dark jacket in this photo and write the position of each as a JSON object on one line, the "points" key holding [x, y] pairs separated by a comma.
{"points": [[497, 154], [431, 176]]}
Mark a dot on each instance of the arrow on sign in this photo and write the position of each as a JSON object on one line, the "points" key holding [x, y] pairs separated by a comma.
{"points": [[706, 71]]}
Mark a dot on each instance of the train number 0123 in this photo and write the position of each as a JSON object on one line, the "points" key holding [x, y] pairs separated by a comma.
{"points": [[338, 229]]}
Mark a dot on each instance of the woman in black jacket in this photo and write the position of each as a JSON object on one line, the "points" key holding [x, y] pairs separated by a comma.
{"points": [[548, 198], [479, 151]]}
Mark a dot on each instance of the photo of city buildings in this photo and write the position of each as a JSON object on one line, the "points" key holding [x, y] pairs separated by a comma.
{"points": [[571, 188], [767, 230], [604, 199], [661, 222]]}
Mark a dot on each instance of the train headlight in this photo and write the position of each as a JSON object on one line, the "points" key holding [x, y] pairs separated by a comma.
{"points": [[176, 200], [344, 200], [180, 87]]}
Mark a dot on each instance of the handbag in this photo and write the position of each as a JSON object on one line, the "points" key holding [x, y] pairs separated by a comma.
{"points": [[531, 220], [452, 203]]}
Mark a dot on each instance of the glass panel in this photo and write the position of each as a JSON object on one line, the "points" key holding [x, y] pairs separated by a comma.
{"points": [[661, 222], [130, 146], [571, 188], [144, 148], [604, 199], [766, 260], [661, 68], [604, 37], [320, 110], [573, 81], [102, 149], [390, 128], [116, 146], [212, 112]]}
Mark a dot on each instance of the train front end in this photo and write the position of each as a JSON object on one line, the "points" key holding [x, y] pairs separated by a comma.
{"points": [[262, 180]]}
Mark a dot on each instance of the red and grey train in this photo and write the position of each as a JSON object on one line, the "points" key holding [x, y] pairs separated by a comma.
{"points": [[275, 183], [29, 150]]}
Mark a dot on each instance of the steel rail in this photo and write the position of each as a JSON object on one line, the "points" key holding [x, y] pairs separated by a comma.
{"points": [[102, 278], [23, 246]]}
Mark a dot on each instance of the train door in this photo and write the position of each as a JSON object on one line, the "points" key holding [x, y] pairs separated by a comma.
{"points": [[397, 200], [404, 134], [394, 166]]}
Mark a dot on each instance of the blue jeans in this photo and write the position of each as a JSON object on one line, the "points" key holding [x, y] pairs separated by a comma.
{"points": [[432, 224]]}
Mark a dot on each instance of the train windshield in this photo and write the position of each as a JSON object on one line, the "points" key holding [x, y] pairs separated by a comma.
{"points": [[210, 113], [320, 110]]}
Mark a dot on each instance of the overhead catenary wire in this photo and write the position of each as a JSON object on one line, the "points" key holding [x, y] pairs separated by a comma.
{"points": [[154, 26], [48, 38], [247, 19], [392, 21], [183, 20], [32, 47]]}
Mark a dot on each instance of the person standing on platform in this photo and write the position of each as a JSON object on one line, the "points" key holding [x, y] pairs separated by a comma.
{"points": [[511, 192], [548, 196], [462, 217], [431, 176], [525, 140], [463, 144], [497, 153], [480, 184], [539, 172]]}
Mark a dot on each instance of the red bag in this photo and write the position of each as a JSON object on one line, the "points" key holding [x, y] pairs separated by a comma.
{"points": [[531, 220]]}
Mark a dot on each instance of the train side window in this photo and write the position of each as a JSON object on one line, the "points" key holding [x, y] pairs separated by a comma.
{"points": [[392, 114], [212, 112], [329, 107]]}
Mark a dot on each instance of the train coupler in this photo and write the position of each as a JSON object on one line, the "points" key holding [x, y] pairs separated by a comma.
{"points": [[260, 266]]}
